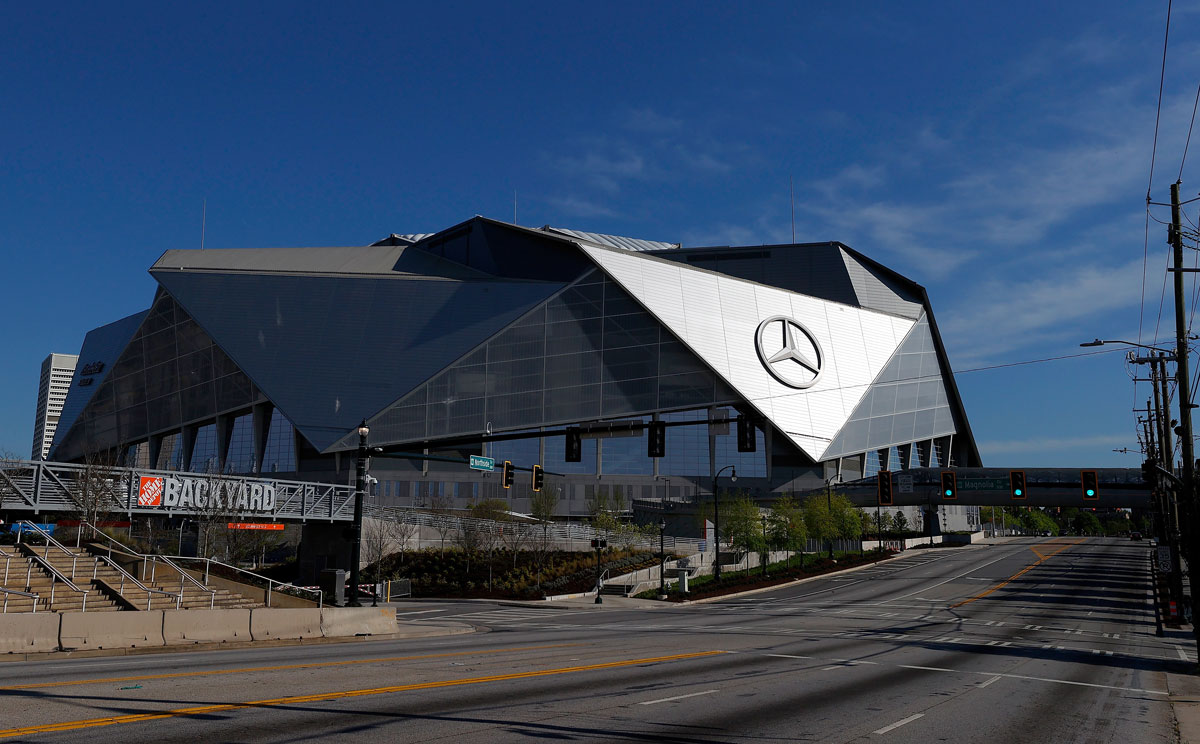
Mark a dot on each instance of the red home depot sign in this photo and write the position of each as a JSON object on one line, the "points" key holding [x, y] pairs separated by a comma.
{"points": [[254, 526]]}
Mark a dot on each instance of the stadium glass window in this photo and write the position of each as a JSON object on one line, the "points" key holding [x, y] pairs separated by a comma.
{"points": [[204, 450], [170, 452], [279, 456], [240, 458]]}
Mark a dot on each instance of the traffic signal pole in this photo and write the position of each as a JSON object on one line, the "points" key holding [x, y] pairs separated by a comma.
{"points": [[1187, 497]]}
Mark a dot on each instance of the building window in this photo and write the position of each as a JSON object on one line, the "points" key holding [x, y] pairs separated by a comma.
{"points": [[279, 456], [240, 458], [204, 451]]}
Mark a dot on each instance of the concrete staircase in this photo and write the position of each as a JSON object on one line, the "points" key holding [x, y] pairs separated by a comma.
{"points": [[108, 589], [14, 568]]}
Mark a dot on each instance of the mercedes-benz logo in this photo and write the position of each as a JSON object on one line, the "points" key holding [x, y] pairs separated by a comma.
{"points": [[789, 352]]}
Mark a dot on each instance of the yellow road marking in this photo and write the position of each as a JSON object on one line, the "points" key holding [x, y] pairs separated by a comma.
{"points": [[1030, 567], [325, 696], [310, 665]]}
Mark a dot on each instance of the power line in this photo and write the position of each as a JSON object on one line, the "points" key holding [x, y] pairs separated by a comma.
{"points": [[1037, 361], [1189, 134], [1162, 74]]}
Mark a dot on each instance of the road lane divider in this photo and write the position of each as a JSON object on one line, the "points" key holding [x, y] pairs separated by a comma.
{"points": [[1041, 559], [206, 710], [899, 723], [678, 697], [282, 667]]}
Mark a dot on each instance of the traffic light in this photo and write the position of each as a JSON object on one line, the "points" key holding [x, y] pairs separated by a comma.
{"points": [[1016, 483], [539, 477], [884, 480], [949, 485], [656, 439], [1089, 484], [1150, 474], [506, 475], [745, 434], [574, 451]]}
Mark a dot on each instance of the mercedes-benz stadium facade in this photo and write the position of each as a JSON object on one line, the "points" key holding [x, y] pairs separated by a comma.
{"points": [[502, 341]]}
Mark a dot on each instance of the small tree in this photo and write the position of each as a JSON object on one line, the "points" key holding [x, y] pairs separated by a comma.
{"points": [[819, 519], [900, 522], [542, 506], [742, 525], [786, 529], [439, 505]]}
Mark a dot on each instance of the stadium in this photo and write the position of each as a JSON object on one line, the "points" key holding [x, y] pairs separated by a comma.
{"points": [[635, 372]]}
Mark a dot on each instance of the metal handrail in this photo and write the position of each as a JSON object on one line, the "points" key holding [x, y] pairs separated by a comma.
{"points": [[153, 558], [9, 592], [55, 576], [126, 575], [49, 542], [209, 562]]}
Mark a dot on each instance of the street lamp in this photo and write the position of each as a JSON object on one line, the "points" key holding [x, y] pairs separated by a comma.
{"points": [[1097, 342], [829, 503], [662, 558], [360, 485], [717, 515]]}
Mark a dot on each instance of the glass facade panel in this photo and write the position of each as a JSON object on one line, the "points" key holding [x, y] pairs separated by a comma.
{"points": [[204, 450], [240, 458], [589, 352], [279, 456], [170, 452], [169, 375], [907, 402]]}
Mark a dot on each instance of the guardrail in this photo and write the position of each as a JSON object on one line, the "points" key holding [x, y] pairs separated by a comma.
{"points": [[272, 584], [10, 592], [27, 485]]}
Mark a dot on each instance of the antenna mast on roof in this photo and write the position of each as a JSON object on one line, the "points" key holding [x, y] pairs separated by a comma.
{"points": [[204, 216], [792, 202]]}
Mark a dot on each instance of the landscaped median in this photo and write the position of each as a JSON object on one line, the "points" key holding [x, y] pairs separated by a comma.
{"points": [[26, 633], [733, 582]]}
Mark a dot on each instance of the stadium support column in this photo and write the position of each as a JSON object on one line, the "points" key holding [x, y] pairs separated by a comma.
{"points": [[1185, 398]]}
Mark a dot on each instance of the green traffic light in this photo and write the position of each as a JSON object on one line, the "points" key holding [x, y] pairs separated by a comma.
{"points": [[1090, 492], [1018, 492], [949, 492]]}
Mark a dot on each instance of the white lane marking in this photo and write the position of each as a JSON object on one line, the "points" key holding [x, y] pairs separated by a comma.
{"points": [[924, 668], [899, 723], [416, 612], [990, 622], [678, 697], [952, 578], [788, 656], [987, 682], [835, 666], [1182, 655]]}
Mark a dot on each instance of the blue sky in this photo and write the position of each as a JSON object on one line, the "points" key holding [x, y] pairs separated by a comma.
{"points": [[997, 155]]}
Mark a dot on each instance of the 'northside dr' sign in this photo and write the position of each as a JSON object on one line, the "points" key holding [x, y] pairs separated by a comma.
{"points": [[184, 492]]}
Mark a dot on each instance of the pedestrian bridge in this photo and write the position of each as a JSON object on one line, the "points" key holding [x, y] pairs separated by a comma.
{"points": [[36, 487], [1118, 488]]}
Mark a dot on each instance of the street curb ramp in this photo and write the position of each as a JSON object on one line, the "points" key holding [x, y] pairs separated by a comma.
{"points": [[22, 633], [340, 622], [182, 627], [95, 630], [270, 624]]}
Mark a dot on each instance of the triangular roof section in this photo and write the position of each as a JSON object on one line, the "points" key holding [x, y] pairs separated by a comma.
{"points": [[329, 351], [101, 348], [906, 403], [718, 318]]}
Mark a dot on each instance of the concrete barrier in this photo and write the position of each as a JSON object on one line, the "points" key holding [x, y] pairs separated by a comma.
{"points": [[339, 622], [91, 630], [205, 626], [28, 632], [272, 623]]}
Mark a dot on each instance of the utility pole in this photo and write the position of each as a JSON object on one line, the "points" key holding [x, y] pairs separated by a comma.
{"points": [[1185, 399]]}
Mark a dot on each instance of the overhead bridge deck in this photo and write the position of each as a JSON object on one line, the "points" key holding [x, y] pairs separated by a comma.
{"points": [[39, 487], [1117, 488]]}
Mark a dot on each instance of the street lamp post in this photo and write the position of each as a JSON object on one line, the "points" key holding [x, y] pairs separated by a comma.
{"points": [[662, 558], [766, 547], [717, 516], [360, 484]]}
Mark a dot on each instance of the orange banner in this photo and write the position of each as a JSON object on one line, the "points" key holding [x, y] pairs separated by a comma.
{"points": [[254, 526]]}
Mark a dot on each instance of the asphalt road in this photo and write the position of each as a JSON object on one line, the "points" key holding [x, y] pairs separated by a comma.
{"points": [[1028, 641]]}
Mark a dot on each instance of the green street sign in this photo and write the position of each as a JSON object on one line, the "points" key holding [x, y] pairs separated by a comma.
{"points": [[487, 464]]}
